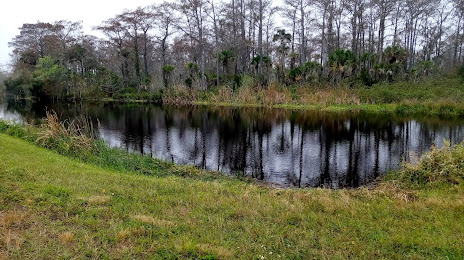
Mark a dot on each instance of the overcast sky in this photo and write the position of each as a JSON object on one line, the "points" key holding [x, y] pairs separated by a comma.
{"points": [[92, 12]]}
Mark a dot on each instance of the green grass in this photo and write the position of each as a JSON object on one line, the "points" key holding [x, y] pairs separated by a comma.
{"points": [[430, 90], [56, 207]]}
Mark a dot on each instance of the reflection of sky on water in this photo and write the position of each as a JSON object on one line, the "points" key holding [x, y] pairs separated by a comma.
{"points": [[296, 148], [11, 116], [283, 159]]}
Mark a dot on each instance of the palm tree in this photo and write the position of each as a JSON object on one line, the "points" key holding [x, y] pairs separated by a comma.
{"points": [[395, 58], [341, 62], [284, 39], [225, 56], [395, 54]]}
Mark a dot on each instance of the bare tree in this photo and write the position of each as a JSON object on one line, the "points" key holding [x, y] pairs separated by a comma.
{"points": [[383, 9], [195, 14], [117, 37], [164, 18]]}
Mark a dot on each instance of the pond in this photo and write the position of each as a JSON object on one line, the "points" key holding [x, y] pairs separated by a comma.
{"points": [[297, 148]]}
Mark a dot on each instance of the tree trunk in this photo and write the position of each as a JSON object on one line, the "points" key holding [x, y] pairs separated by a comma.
{"points": [[199, 20], [216, 40], [302, 35], [163, 57], [381, 38], [145, 53], [243, 49], [137, 60], [260, 38], [354, 31], [456, 42]]}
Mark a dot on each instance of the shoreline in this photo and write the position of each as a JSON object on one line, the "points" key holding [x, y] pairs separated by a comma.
{"points": [[405, 108]]}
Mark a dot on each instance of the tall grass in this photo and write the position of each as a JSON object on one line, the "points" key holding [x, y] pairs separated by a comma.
{"points": [[180, 94], [327, 96], [438, 167], [25, 132], [440, 96], [275, 94], [445, 89], [73, 136]]}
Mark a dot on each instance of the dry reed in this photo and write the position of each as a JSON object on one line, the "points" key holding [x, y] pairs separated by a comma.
{"points": [[79, 132]]}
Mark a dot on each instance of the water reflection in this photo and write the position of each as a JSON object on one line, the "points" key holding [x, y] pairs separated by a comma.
{"points": [[296, 148]]}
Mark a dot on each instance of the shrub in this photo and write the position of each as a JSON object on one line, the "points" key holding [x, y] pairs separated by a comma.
{"points": [[295, 73], [437, 167]]}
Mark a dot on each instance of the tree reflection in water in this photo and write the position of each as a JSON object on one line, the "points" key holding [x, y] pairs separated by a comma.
{"points": [[287, 147]]}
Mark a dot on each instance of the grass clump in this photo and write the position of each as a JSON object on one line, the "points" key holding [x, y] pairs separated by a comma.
{"points": [[17, 130], [438, 167], [66, 136]]}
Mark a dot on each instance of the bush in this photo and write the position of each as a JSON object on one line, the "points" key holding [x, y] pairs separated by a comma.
{"points": [[168, 68], [438, 167], [17, 131], [295, 73], [70, 137], [366, 78]]}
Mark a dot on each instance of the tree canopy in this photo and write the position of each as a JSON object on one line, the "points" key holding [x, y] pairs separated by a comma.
{"points": [[295, 42]]}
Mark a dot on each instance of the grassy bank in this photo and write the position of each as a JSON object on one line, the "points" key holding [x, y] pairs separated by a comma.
{"points": [[75, 139], [53, 206], [441, 96]]}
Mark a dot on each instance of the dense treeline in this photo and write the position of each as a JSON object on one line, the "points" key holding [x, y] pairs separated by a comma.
{"points": [[202, 43]]}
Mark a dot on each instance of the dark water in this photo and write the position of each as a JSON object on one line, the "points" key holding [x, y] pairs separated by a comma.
{"points": [[287, 147]]}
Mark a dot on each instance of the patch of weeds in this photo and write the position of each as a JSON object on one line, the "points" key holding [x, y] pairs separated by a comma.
{"points": [[446, 111], [57, 195], [165, 253], [57, 192], [438, 167]]}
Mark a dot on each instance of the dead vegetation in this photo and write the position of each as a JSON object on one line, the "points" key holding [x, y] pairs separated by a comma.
{"points": [[78, 133]]}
